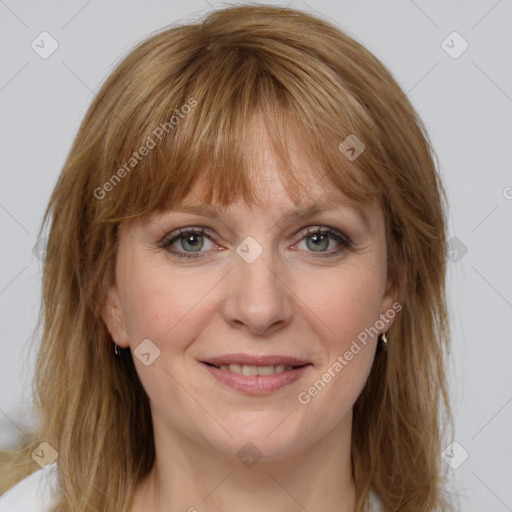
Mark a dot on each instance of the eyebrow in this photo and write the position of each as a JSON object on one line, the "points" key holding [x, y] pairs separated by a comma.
{"points": [[296, 213], [310, 210]]}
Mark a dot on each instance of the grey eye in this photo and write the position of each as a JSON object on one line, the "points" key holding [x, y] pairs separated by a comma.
{"points": [[318, 241]]}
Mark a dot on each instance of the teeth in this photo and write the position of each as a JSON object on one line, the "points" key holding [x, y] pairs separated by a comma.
{"points": [[255, 370], [234, 368], [246, 370], [265, 370]]}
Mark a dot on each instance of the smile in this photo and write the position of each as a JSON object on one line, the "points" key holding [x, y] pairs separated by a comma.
{"points": [[256, 380], [255, 370]]}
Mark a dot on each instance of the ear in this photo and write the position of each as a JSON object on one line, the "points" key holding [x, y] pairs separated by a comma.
{"points": [[112, 315], [390, 303]]}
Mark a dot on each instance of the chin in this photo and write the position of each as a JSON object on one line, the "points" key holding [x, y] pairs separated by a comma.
{"points": [[260, 434]]}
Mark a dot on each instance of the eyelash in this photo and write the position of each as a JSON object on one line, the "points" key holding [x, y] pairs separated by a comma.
{"points": [[168, 240]]}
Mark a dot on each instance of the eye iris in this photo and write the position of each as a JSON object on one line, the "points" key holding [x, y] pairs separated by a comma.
{"points": [[192, 239], [318, 238]]}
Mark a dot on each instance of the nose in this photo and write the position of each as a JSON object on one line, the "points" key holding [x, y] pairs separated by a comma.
{"points": [[258, 298]]}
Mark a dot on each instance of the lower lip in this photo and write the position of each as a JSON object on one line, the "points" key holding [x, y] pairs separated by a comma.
{"points": [[257, 384]]}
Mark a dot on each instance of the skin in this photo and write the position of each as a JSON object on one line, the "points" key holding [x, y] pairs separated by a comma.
{"points": [[286, 302]]}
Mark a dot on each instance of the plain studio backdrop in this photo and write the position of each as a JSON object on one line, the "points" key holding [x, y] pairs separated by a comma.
{"points": [[452, 59]]}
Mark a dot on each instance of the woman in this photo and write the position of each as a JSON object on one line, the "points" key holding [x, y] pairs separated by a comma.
{"points": [[244, 302]]}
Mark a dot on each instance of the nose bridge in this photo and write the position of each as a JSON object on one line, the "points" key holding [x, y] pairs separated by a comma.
{"points": [[257, 296]]}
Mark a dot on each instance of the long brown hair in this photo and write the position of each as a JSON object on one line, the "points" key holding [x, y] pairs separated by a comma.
{"points": [[187, 94]]}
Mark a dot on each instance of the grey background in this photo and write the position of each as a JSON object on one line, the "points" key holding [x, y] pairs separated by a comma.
{"points": [[465, 102]]}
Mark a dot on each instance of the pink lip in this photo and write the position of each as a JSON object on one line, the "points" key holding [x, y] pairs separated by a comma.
{"points": [[256, 384], [255, 360]]}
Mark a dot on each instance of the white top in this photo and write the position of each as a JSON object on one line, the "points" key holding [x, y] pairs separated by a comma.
{"points": [[38, 493], [35, 493]]}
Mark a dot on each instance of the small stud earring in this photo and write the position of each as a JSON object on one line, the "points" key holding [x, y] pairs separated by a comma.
{"points": [[383, 341], [117, 352]]}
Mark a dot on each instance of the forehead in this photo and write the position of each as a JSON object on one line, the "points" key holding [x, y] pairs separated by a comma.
{"points": [[294, 196], [317, 194], [269, 164], [306, 181], [312, 194]]}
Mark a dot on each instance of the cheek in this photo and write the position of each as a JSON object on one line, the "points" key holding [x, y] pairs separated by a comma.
{"points": [[342, 312], [160, 302], [166, 306], [345, 303]]}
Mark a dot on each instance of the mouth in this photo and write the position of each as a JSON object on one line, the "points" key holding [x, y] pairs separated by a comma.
{"points": [[256, 375], [253, 370]]}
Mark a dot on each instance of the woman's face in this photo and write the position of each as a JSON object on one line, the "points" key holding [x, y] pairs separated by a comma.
{"points": [[251, 283]]}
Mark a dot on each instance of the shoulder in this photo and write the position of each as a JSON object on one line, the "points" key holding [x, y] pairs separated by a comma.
{"points": [[373, 503], [35, 493]]}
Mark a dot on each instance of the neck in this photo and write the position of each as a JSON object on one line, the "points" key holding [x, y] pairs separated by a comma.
{"points": [[194, 478]]}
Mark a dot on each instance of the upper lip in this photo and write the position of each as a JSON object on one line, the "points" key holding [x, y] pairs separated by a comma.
{"points": [[249, 360]]}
